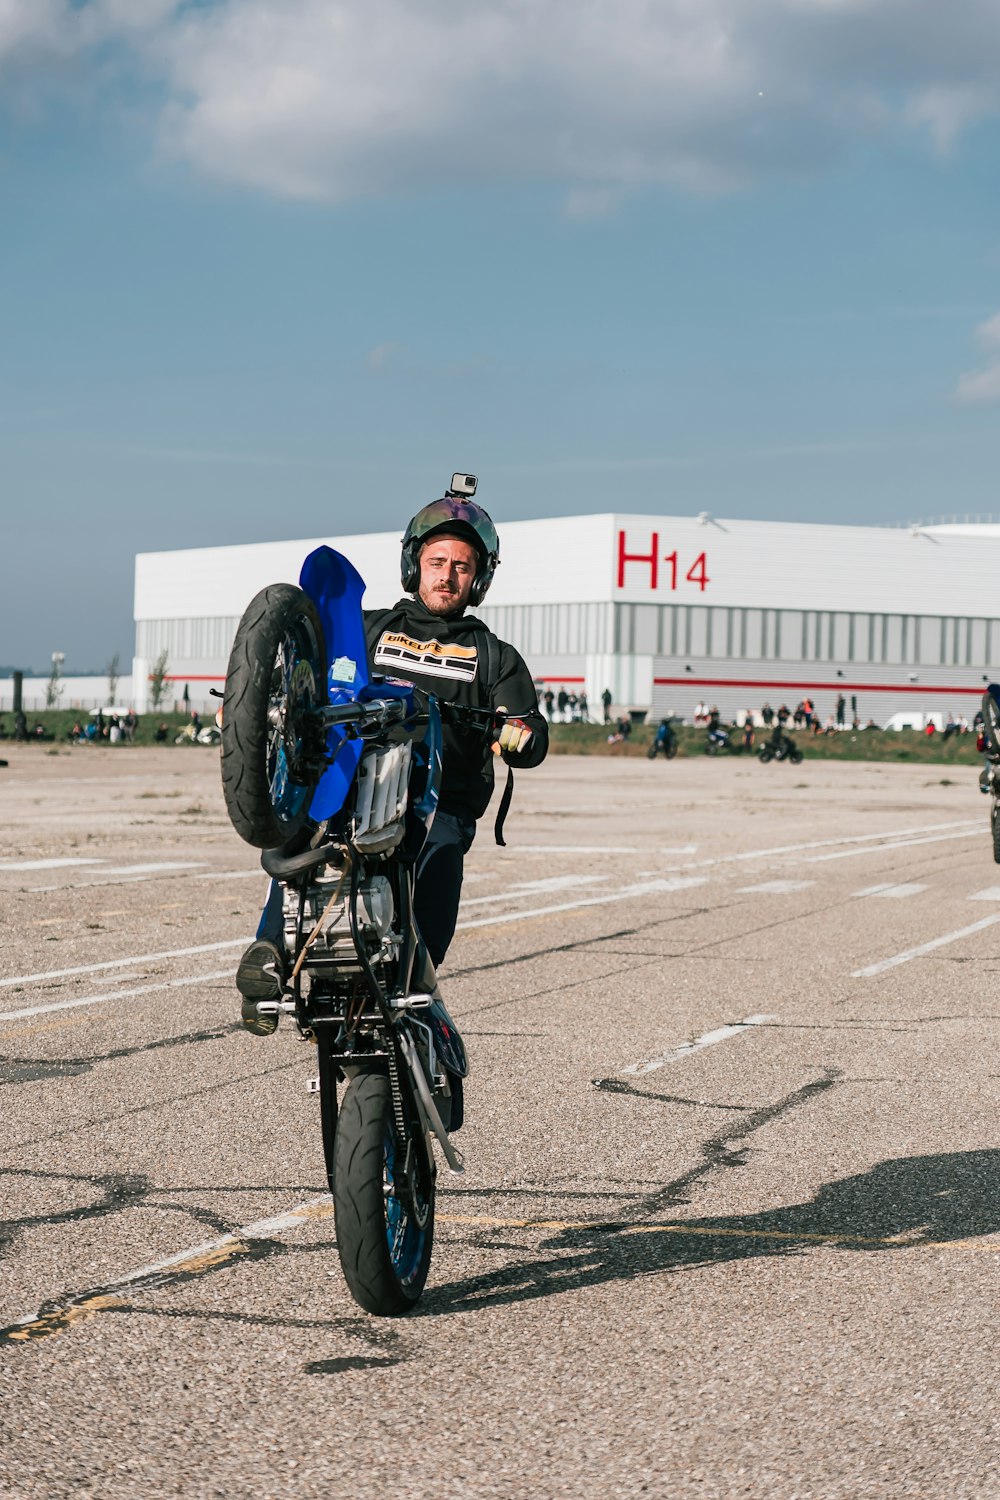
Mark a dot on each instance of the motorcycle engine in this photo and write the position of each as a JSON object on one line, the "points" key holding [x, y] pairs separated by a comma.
{"points": [[335, 941]]}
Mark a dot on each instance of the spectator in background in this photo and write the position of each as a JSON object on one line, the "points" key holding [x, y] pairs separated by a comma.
{"points": [[161, 733], [606, 700], [748, 733], [767, 716], [841, 710], [562, 703], [584, 708], [930, 728], [783, 715], [549, 698], [950, 727]]}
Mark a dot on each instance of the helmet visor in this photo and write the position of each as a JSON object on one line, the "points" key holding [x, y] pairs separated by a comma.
{"points": [[463, 515]]}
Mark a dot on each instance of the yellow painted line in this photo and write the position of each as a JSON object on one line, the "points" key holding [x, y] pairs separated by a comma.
{"points": [[229, 1248], [706, 1231], [48, 1026]]}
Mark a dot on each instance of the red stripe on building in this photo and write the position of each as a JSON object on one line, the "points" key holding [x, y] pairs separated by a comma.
{"points": [[814, 687]]}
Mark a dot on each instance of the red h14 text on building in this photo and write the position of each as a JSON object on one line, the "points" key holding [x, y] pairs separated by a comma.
{"points": [[659, 569]]}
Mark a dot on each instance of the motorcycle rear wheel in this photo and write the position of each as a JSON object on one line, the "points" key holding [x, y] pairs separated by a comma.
{"points": [[384, 1240], [276, 678], [765, 754], [796, 757]]}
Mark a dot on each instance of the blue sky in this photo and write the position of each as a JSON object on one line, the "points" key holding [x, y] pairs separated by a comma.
{"points": [[275, 269]]}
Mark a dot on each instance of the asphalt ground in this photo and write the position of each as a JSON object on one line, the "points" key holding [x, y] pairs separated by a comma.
{"points": [[731, 1219]]}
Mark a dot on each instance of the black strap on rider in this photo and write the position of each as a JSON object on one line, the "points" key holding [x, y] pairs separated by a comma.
{"points": [[504, 808], [490, 657]]}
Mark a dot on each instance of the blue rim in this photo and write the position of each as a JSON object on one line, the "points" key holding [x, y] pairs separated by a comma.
{"points": [[404, 1237]]}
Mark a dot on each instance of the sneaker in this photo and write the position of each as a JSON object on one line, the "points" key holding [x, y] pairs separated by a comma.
{"points": [[986, 779], [260, 976]]}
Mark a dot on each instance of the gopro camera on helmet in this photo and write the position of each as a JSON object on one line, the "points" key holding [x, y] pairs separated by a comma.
{"points": [[463, 484]]}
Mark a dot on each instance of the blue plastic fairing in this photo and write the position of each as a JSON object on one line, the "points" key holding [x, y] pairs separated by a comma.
{"points": [[336, 588]]}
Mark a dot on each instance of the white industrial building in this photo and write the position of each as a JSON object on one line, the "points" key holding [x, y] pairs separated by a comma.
{"points": [[666, 611]]}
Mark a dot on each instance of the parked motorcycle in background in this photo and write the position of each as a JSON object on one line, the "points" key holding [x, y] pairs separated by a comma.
{"points": [[718, 740], [665, 741], [988, 743], [335, 776], [784, 748]]}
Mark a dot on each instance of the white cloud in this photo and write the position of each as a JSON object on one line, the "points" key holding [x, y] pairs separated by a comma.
{"points": [[332, 99], [982, 387], [988, 333]]}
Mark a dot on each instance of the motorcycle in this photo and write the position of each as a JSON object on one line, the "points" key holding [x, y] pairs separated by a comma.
{"points": [[785, 749], [335, 776], [988, 744], [665, 742], [719, 741], [207, 735]]}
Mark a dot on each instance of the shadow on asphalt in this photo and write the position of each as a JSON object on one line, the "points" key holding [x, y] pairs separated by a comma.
{"points": [[897, 1206]]}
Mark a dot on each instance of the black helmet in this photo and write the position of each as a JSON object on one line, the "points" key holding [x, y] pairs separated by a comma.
{"points": [[459, 517]]}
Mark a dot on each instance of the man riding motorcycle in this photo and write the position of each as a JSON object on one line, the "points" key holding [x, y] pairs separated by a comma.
{"points": [[449, 554]]}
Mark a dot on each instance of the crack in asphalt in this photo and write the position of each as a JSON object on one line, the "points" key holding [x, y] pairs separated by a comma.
{"points": [[31, 1069]]}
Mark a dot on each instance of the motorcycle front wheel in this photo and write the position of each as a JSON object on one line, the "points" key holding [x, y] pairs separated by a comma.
{"points": [[995, 827], [991, 718], [765, 754], [271, 748], [384, 1221]]}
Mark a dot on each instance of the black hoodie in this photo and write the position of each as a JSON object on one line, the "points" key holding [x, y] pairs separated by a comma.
{"points": [[449, 657]]}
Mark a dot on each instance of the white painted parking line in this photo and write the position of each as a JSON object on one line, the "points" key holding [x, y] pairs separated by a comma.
{"points": [[154, 869], [991, 893], [535, 888], [627, 893], [257, 874], [895, 892], [887, 848], [576, 849], [123, 963], [44, 864], [974, 827], [710, 1039], [189, 980], [776, 887], [918, 952]]}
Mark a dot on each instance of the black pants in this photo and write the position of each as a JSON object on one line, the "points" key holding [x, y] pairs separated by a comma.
{"points": [[438, 884], [437, 888]]}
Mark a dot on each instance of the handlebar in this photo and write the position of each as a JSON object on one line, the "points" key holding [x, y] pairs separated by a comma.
{"points": [[377, 713]]}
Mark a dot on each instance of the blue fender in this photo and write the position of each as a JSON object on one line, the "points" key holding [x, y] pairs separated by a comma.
{"points": [[336, 588]]}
